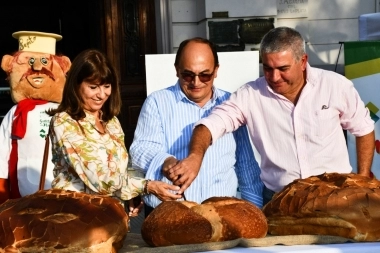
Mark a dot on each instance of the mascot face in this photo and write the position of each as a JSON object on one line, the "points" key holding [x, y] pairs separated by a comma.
{"points": [[34, 75]]}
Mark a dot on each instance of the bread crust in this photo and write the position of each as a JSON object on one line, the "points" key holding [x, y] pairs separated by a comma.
{"points": [[62, 221], [173, 223], [214, 220], [344, 205]]}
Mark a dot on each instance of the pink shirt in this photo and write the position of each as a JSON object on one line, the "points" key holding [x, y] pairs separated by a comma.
{"points": [[296, 141]]}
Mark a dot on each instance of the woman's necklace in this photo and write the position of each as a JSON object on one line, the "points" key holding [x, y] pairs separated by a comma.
{"points": [[99, 126]]}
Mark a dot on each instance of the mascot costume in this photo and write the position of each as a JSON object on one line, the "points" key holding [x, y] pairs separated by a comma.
{"points": [[36, 77]]}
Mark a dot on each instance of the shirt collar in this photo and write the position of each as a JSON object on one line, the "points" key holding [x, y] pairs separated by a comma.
{"points": [[310, 75]]}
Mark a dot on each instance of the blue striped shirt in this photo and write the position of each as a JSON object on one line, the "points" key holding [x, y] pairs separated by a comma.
{"points": [[164, 129]]}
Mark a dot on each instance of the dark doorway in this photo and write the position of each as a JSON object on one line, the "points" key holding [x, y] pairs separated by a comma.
{"points": [[123, 29], [138, 38], [77, 21]]}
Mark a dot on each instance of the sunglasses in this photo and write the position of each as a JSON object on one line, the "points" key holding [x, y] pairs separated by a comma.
{"points": [[189, 77]]}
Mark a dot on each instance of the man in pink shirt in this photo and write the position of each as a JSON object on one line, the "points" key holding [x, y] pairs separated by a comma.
{"points": [[295, 115]]}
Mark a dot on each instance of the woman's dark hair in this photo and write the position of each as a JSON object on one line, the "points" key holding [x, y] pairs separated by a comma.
{"points": [[198, 40], [94, 67]]}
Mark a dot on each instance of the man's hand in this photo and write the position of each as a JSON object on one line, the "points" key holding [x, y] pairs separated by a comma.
{"points": [[184, 173], [169, 163]]}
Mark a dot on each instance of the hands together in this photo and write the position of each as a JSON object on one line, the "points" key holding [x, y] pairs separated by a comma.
{"points": [[163, 191], [182, 173]]}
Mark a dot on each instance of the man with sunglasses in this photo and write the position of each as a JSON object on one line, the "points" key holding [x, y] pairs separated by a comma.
{"points": [[165, 126], [294, 113]]}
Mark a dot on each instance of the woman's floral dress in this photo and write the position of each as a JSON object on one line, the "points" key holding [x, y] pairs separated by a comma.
{"points": [[88, 161]]}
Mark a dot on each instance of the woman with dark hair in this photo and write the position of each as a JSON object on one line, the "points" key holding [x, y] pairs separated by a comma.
{"points": [[88, 147]]}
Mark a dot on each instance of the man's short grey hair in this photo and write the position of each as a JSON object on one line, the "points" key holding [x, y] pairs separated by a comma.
{"points": [[280, 39]]}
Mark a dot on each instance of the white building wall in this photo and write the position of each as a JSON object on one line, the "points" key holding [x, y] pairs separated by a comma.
{"points": [[326, 25]]}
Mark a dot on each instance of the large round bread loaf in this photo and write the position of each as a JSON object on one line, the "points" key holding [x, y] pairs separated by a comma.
{"points": [[346, 205], [215, 219], [62, 221]]}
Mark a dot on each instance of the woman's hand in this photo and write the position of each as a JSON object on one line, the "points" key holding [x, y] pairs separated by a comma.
{"points": [[163, 191], [135, 206]]}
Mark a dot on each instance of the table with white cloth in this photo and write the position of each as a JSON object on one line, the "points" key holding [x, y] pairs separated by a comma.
{"points": [[296, 243], [368, 247]]}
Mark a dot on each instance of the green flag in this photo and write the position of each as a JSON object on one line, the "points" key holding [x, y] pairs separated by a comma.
{"points": [[362, 66]]}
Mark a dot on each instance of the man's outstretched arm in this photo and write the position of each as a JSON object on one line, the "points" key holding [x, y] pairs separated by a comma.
{"points": [[365, 148]]}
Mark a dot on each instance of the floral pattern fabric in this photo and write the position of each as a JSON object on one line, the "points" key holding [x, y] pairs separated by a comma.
{"points": [[88, 161]]}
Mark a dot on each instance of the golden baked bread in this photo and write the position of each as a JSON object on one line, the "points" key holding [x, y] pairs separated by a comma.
{"points": [[62, 221], [215, 219], [346, 205]]}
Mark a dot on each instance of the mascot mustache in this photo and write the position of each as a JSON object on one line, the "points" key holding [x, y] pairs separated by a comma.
{"points": [[43, 71]]}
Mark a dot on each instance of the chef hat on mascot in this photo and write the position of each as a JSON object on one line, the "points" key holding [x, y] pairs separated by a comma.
{"points": [[37, 41], [36, 76]]}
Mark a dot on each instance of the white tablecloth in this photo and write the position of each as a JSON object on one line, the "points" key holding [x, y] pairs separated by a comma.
{"points": [[369, 247], [298, 244]]}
